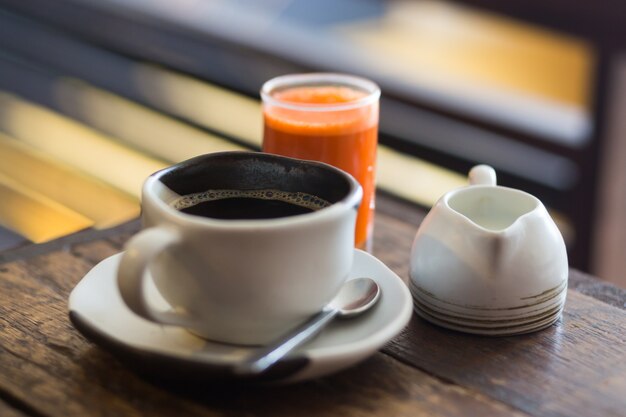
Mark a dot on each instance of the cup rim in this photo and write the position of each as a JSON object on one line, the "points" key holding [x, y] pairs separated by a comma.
{"points": [[320, 78], [352, 198]]}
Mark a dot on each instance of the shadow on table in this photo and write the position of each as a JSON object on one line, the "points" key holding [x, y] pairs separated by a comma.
{"points": [[360, 387]]}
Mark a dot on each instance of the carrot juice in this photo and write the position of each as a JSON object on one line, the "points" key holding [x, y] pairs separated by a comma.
{"points": [[330, 118]]}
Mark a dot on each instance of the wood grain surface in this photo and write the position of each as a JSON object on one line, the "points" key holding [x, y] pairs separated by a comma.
{"points": [[46, 364], [596, 288], [576, 367], [48, 369], [7, 411]]}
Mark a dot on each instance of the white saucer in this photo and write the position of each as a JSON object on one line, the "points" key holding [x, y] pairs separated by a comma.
{"points": [[97, 311]]}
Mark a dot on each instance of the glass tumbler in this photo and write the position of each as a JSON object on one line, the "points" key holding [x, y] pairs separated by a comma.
{"points": [[331, 118]]}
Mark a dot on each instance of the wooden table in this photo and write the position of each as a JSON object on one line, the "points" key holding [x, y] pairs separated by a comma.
{"points": [[575, 368]]}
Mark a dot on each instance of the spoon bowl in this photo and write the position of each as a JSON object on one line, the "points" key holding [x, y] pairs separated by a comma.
{"points": [[355, 297]]}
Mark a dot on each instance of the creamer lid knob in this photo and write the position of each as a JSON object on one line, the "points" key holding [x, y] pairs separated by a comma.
{"points": [[482, 175]]}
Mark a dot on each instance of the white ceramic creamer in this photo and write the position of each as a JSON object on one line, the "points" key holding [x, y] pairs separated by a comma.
{"points": [[489, 260]]}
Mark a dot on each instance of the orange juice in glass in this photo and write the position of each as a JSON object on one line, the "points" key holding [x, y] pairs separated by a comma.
{"points": [[331, 118]]}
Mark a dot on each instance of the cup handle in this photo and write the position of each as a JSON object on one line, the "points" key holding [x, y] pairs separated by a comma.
{"points": [[141, 249]]}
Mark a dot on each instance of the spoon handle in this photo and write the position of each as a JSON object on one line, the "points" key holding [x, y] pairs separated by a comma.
{"points": [[268, 356]]}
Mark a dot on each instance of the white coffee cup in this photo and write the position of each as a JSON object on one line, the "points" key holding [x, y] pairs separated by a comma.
{"points": [[242, 281]]}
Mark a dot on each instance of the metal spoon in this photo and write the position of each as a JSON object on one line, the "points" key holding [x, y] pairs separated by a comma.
{"points": [[354, 297]]}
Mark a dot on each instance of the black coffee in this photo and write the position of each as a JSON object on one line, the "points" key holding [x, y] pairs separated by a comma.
{"points": [[248, 204]]}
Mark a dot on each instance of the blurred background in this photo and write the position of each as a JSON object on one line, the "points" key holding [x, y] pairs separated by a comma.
{"points": [[97, 94]]}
